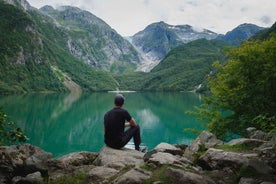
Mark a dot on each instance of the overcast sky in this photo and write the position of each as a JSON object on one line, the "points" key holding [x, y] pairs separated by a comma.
{"points": [[128, 17]]}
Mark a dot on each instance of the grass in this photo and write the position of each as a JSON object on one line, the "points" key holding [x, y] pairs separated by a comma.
{"points": [[159, 174]]}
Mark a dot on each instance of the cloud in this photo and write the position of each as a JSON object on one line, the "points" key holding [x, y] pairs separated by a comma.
{"points": [[265, 19], [128, 17]]}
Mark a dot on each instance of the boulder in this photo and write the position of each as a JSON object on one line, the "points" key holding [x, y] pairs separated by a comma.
{"points": [[168, 148], [21, 160], [248, 181], [200, 144], [102, 173], [219, 159], [35, 177], [246, 142], [161, 158], [182, 176], [119, 158], [78, 158], [209, 140], [253, 133], [133, 176], [165, 148]]}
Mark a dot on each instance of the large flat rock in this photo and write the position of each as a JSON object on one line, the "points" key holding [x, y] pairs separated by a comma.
{"points": [[119, 158]]}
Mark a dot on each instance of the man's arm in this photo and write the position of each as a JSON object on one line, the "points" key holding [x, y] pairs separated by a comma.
{"points": [[132, 122]]}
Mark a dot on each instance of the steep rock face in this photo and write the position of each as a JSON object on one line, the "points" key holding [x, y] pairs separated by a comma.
{"points": [[23, 4], [91, 39], [241, 33], [157, 39], [34, 55]]}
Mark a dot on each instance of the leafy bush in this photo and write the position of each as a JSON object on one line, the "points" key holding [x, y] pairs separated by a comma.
{"points": [[243, 91], [9, 132]]}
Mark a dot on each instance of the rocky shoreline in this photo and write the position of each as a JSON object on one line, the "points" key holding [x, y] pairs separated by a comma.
{"points": [[207, 160]]}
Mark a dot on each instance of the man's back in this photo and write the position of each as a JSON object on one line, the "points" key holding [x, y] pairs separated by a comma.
{"points": [[114, 123]]}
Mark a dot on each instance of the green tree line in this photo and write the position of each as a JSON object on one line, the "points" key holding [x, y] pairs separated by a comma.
{"points": [[243, 91]]}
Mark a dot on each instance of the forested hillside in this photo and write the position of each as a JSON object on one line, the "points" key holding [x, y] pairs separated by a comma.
{"points": [[184, 68], [33, 57], [69, 49]]}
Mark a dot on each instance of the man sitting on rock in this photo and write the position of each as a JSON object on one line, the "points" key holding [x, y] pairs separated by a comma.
{"points": [[115, 122]]}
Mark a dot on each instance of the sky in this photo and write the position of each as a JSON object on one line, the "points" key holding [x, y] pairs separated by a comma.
{"points": [[128, 17]]}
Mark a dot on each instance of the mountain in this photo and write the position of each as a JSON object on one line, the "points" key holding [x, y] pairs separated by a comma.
{"points": [[265, 33], [34, 55], [241, 33], [185, 68], [92, 40], [68, 49], [157, 39]]}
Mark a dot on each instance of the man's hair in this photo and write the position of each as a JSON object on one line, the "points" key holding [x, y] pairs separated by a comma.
{"points": [[119, 100]]}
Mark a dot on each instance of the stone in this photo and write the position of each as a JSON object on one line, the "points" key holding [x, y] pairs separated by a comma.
{"points": [[209, 139], [247, 181], [163, 147], [133, 176], [35, 177], [119, 158], [201, 143], [24, 159], [260, 166], [181, 176], [168, 148], [193, 149], [101, 173], [78, 158], [218, 159], [246, 142], [250, 131], [258, 134], [161, 158]]}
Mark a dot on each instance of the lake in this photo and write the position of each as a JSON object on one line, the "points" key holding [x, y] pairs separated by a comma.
{"points": [[64, 123]]}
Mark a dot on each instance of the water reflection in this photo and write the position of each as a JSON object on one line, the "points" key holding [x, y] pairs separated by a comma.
{"points": [[148, 118], [61, 123]]}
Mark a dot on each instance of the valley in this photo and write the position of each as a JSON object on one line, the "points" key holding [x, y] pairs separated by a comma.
{"points": [[95, 57]]}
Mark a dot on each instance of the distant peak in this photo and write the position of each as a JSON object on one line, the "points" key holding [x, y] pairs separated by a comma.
{"points": [[22, 4], [63, 8], [46, 8]]}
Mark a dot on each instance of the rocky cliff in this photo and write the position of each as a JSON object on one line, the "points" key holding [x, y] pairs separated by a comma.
{"points": [[207, 160], [91, 39], [157, 39]]}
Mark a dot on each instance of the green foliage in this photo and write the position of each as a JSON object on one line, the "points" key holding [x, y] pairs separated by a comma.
{"points": [[184, 68], [246, 172], [159, 174], [9, 132], [122, 67], [34, 58], [262, 35], [243, 91]]}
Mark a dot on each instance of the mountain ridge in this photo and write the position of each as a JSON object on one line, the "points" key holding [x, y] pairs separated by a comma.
{"points": [[45, 49], [240, 33], [86, 31], [157, 39]]}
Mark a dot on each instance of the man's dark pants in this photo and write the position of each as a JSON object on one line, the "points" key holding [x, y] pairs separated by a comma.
{"points": [[133, 131]]}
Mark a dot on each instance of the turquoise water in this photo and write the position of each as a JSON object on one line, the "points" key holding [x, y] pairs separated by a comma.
{"points": [[64, 123]]}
